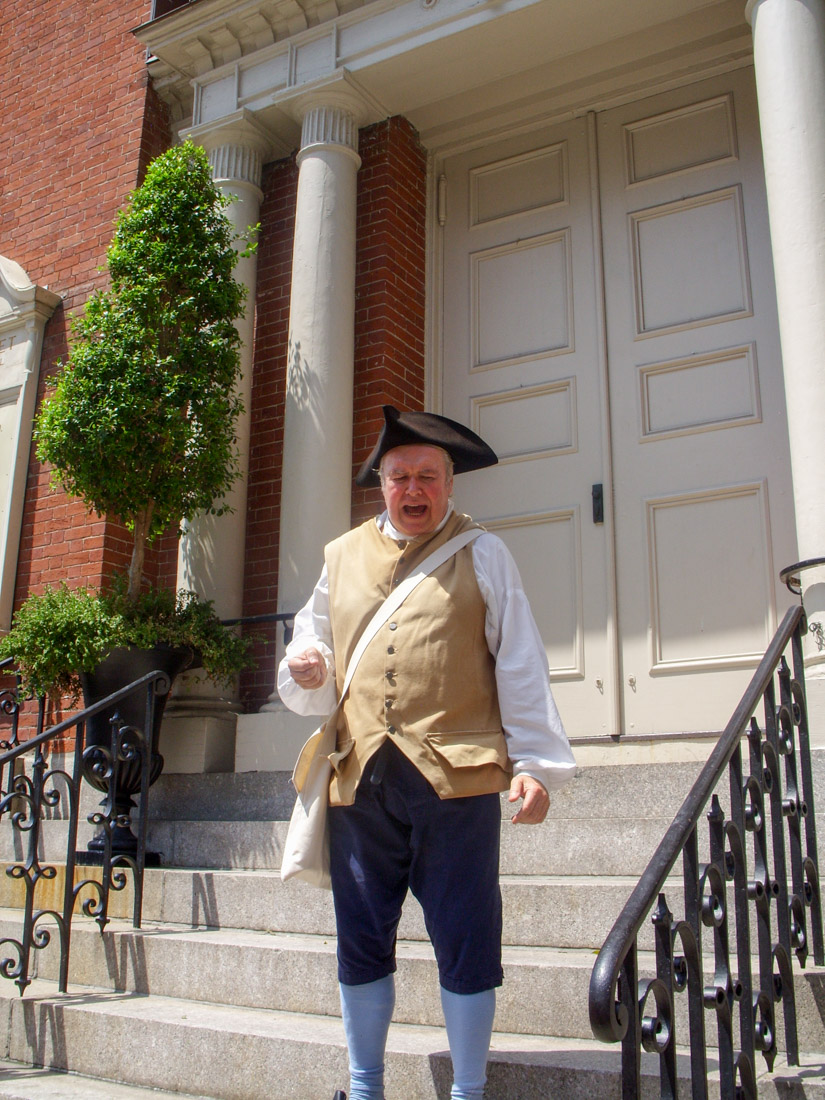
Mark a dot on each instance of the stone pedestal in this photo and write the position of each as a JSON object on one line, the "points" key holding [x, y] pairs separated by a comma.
{"points": [[198, 738], [271, 740]]}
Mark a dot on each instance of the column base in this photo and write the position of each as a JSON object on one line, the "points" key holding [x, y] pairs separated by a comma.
{"points": [[271, 740], [197, 738]]}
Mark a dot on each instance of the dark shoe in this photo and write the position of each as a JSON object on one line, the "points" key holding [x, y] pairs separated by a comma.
{"points": [[340, 1095]]}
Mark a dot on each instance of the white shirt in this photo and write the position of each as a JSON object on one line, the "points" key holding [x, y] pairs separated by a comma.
{"points": [[536, 742]]}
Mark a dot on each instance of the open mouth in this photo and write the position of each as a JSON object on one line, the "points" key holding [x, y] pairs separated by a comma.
{"points": [[415, 511]]}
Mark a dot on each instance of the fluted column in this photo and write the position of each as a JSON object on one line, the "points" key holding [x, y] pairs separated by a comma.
{"points": [[199, 728], [317, 456], [317, 462], [789, 60], [211, 557]]}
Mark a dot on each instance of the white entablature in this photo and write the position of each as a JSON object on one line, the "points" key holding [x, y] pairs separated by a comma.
{"points": [[440, 63]]}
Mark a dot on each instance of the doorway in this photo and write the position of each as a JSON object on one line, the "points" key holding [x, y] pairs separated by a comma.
{"points": [[608, 324]]}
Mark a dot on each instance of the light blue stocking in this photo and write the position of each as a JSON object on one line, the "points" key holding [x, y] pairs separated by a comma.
{"points": [[367, 1011], [469, 1020]]}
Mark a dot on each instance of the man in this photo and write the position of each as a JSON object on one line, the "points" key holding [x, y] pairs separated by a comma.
{"points": [[449, 706]]}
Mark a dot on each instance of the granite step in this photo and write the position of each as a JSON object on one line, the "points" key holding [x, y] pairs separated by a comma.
{"points": [[539, 910], [590, 846], [22, 1082], [253, 1054], [615, 791], [295, 972]]}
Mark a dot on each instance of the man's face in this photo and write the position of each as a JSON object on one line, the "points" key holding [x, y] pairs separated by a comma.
{"points": [[416, 488]]}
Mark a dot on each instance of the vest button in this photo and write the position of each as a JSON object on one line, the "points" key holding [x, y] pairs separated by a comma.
{"points": [[390, 649], [388, 703], [391, 729], [393, 626]]}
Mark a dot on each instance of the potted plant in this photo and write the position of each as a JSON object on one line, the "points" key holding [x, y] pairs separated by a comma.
{"points": [[140, 424]]}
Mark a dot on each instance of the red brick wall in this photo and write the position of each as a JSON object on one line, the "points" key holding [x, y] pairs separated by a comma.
{"points": [[80, 124], [74, 81], [267, 418], [389, 341], [390, 286]]}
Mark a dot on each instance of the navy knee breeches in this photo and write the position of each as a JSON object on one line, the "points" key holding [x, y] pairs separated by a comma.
{"points": [[399, 834]]}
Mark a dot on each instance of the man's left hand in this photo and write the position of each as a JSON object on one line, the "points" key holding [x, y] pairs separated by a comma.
{"points": [[533, 809]]}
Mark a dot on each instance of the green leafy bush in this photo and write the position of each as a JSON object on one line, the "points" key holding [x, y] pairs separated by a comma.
{"points": [[141, 421], [66, 631], [141, 424]]}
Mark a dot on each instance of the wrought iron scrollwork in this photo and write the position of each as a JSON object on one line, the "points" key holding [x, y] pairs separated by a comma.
{"points": [[755, 897], [28, 796]]}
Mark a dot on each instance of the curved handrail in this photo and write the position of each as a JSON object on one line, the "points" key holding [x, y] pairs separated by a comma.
{"points": [[159, 678], [790, 574], [607, 1024]]}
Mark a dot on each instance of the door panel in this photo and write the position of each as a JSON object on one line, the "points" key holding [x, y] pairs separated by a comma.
{"points": [[703, 497], [521, 366]]}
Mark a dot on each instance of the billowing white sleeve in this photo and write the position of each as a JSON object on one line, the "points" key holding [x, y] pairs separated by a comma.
{"points": [[312, 631], [536, 741]]}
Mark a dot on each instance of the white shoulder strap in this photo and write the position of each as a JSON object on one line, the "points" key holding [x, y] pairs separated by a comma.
{"points": [[397, 597]]}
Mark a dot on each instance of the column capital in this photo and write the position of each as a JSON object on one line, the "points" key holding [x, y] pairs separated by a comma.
{"points": [[338, 92], [238, 146], [752, 5], [327, 126]]}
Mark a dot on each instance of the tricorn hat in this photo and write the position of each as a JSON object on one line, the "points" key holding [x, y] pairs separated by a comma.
{"points": [[467, 450]]}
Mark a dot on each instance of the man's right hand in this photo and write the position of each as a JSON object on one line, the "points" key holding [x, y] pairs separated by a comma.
{"points": [[309, 670]]}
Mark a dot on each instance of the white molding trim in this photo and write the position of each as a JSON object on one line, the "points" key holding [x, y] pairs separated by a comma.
{"points": [[24, 310]]}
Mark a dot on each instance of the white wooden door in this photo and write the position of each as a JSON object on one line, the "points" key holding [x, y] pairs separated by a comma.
{"points": [[702, 488], [667, 388], [521, 354]]}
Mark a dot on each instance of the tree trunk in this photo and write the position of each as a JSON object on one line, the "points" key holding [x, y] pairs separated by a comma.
{"points": [[142, 521]]}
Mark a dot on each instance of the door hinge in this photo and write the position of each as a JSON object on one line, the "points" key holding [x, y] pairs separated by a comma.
{"points": [[442, 200]]}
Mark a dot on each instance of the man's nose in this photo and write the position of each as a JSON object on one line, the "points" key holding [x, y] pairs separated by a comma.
{"points": [[414, 486]]}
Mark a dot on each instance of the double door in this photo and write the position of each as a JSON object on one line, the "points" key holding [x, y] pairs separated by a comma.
{"points": [[609, 325]]}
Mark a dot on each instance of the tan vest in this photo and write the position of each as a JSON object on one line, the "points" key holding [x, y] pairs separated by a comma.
{"points": [[427, 679]]}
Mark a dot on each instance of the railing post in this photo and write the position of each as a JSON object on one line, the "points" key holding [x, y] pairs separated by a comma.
{"points": [[736, 832], [811, 864], [691, 934], [632, 1042]]}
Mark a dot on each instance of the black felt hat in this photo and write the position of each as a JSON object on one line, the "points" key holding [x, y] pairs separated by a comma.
{"points": [[467, 450]]}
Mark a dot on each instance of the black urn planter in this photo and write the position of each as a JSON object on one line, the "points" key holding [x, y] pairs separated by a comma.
{"points": [[118, 669]]}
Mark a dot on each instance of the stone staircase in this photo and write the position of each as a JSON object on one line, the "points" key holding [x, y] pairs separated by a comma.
{"points": [[229, 990]]}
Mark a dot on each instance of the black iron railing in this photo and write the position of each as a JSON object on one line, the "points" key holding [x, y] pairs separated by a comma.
{"points": [[32, 791], [749, 905], [287, 618]]}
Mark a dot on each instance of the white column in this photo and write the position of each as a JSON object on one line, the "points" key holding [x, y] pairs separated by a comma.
{"points": [[317, 457], [789, 59], [211, 558], [317, 461], [199, 727]]}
